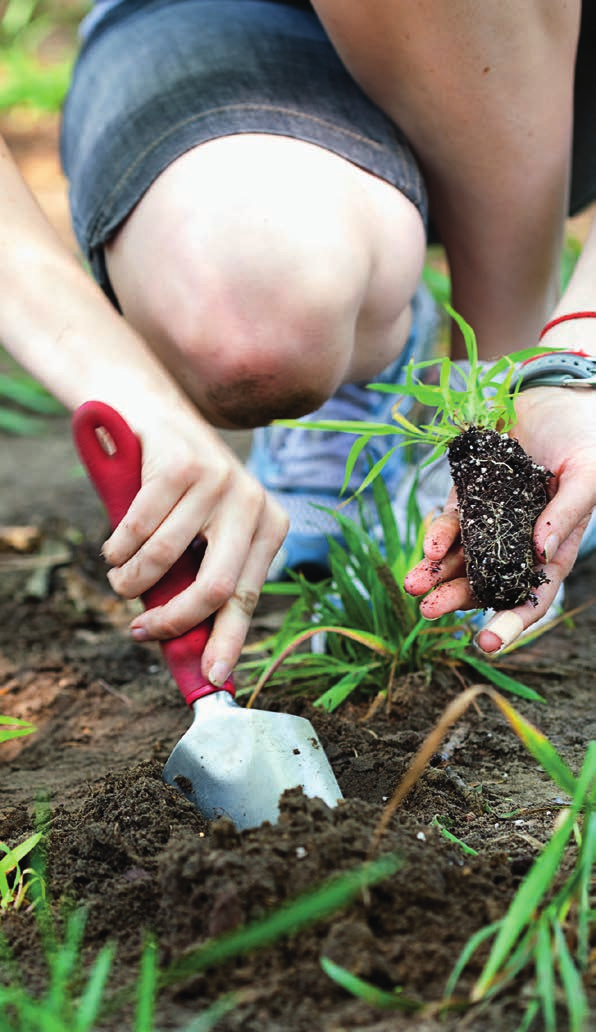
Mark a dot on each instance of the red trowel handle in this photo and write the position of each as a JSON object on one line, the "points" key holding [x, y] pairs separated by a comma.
{"points": [[114, 467]]}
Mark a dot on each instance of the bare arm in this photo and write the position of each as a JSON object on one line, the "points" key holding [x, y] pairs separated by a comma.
{"points": [[484, 94], [56, 323]]}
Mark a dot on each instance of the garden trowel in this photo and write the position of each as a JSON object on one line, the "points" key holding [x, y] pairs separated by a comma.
{"points": [[232, 761]]}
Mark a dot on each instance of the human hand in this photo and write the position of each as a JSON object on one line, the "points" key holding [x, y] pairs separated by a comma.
{"points": [[194, 486], [557, 427]]}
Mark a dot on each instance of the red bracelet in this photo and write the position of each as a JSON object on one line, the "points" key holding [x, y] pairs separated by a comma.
{"points": [[566, 318]]}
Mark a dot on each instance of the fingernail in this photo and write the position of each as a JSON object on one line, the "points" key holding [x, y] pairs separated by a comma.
{"points": [[551, 546], [139, 634], [505, 626], [218, 674]]}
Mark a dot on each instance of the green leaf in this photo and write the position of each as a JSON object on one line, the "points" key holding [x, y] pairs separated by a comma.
{"points": [[90, 1002], [147, 987], [575, 995], [353, 456], [545, 975], [502, 680], [14, 728], [334, 696], [372, 995], [24, 391]]}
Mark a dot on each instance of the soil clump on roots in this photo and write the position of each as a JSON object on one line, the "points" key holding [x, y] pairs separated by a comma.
{"points": [[501, 492]]}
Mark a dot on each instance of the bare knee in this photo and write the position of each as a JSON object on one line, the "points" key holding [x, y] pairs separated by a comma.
{"points": [[251, 347], [255, 298]]}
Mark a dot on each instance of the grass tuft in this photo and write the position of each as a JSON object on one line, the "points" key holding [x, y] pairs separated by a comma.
{"points": [[367, 630]]}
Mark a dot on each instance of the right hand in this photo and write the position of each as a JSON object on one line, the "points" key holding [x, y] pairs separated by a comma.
{"points": [[193, 485]]}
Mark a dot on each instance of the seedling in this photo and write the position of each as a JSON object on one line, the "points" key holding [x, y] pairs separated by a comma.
{"points": [[15, 880], [13, 727], [501, 491]]}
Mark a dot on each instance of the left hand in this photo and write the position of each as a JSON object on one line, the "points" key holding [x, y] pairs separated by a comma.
{"points": [[557, 427]]}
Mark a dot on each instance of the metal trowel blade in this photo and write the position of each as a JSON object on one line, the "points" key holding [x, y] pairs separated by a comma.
{"points": [[237, 763]]}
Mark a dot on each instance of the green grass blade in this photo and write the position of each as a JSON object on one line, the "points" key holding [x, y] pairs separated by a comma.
{"points": [[545, 975], [62, 962], [346, 426], [446, 834], [413, 636], [386, 516], [375, 470], [30, 395], [543, 752], [322, 902], [147, 986], [14, 728], [586, 865], [502, 680], [438, 282], [19, 424], [90, 1002], [334, 696], [575, 996], [467, 953], [17, 853], [372, 995], [213, 1015], [353, 455]]}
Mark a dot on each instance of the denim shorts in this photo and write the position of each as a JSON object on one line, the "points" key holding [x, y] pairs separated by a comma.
{"points": [[156, 78]]}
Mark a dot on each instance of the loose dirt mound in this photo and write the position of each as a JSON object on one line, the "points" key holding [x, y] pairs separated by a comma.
{"points": [[140, 857]]}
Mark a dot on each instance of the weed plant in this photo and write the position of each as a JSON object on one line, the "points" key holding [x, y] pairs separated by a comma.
{"points": [[368, 631], [546, 940]]}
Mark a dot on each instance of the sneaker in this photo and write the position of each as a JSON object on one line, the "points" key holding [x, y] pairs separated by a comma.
{"points": [[304, 469]]}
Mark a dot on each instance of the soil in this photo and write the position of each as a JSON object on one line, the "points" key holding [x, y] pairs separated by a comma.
{"points": [[501, 492], [134, 852]]}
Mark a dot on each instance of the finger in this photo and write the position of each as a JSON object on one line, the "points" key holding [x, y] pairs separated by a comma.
{"points": [[233, 620], [441, 535], [448, 597], [570, 509], [150, 507], [427, 574], [218, 578], [160, 551]]}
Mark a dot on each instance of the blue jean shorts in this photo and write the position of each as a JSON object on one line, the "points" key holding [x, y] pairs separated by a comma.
{"points": [[156, 78]]}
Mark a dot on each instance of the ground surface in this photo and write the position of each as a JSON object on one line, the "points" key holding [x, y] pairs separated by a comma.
{"points": [[138, 856]]}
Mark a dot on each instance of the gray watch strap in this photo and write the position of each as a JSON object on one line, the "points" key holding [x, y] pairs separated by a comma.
{"points": [[559, 369]]}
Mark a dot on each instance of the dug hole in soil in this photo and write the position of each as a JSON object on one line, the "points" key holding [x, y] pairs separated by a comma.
{"points": [[138, 856]]}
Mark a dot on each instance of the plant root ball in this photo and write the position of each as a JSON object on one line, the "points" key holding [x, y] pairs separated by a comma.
{"points": [[501, 492]]}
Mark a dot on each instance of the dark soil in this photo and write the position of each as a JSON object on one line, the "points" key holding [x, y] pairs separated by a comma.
{"points": [[138, 856], [135, 853], [501, 492]]}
